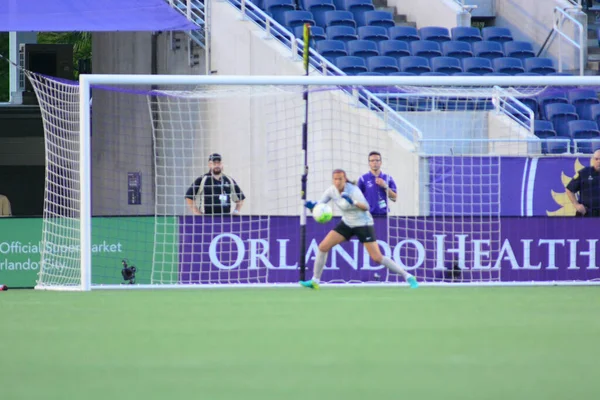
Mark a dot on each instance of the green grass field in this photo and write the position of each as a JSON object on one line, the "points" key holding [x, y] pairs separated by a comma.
{"points": [[351, 343]]}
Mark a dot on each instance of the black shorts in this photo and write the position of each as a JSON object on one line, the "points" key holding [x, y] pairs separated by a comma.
{"points": [[365, 234]]}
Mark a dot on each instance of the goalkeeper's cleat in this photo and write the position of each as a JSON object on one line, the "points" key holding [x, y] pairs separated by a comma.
{"points": [[310, 284], [412, 281]]}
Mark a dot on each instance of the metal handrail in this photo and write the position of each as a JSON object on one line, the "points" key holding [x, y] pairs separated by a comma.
{"points": [[274, 30], [196, 12], [558, 22], [560, 15]]}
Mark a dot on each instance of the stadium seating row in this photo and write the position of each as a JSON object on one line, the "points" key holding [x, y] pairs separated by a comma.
{"points": [[573, 114], [583, 135], [373, 42], [583, 102], [362, 41], [355, 64]]}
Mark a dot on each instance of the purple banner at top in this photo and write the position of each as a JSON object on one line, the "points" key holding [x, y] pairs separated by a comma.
{"points": [[515, 186], [255, 250]]}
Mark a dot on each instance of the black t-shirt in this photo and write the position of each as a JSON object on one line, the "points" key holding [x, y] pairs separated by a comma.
{"points": [[588, 186], [216, 193]]}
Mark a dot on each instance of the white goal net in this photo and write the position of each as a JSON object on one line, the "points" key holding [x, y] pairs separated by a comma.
{"points": [[180, 181]]}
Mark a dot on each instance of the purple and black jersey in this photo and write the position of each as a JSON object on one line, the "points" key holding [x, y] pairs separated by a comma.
{"points": [[376, 196]]}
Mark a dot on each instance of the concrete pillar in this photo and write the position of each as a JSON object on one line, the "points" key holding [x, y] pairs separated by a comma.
{"points": [[15, 40]]}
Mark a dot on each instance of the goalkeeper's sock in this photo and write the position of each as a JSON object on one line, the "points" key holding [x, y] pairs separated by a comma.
{"points": [[320, 261], [392, 266]]}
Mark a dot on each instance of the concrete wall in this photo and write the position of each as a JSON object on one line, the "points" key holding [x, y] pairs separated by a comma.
{"points": [[500, 126], [446, 13], [122, 139], [533, 20]]}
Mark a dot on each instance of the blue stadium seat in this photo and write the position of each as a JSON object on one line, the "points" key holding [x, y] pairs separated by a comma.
{"points": [[435, 33], [434, 74], [543, 129], [340, 18], [383, 64], [416, 65], [425, 48], [319, 8], [560, 115], [477, 65], [496, 74], [370, 74], [362, 48], [276, 8], [402, 74], [343, 33], [393, 48], [532, 103], [496, 34], [339, 4], [403, 33], [595, 113], [551, 96], [293, 19], [583, 99], [586, 130], [316, 33], [508, 65], [528, 74], [379, 18], [540, 65], [487, 49], [331, 49], [581, 94], [465, 74], [445, 65], [351, 65], [374, 33], [518, 49], [466, 34], [457, 49], [358, 8]]}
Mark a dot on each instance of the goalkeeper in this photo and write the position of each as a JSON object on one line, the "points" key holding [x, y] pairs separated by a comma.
{"points": [[356, 221]]}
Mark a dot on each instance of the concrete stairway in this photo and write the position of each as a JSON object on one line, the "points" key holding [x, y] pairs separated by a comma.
{"points": [[400, 19], [593, 45]]}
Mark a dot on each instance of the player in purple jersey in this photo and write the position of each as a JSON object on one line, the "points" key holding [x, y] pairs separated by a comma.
{"points": [[377, 186]]}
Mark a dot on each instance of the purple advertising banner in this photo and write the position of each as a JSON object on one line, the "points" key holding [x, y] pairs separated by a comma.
{"points": [[536, 186], [515, 186], [508, 249]]}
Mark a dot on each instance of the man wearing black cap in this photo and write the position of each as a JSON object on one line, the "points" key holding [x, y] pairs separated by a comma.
{"points": [[215, 191]]}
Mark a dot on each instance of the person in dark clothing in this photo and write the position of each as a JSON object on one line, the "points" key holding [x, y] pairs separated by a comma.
{"points": [[587, 184], [214, 192]]}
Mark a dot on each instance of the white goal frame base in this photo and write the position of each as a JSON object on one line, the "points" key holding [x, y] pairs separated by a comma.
{"points": [[326, 285]]}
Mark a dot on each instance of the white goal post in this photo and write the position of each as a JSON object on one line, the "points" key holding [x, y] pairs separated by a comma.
{"points": [[345, 124]]}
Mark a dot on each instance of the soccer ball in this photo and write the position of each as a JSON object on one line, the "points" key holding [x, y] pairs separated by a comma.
{"points": [[322, 213]]}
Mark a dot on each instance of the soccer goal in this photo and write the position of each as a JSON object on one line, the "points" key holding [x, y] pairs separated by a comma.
{"points": [[132, 200]]}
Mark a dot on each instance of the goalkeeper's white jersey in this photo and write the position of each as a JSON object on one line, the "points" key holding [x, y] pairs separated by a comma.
{"points": [[351, 215]]}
